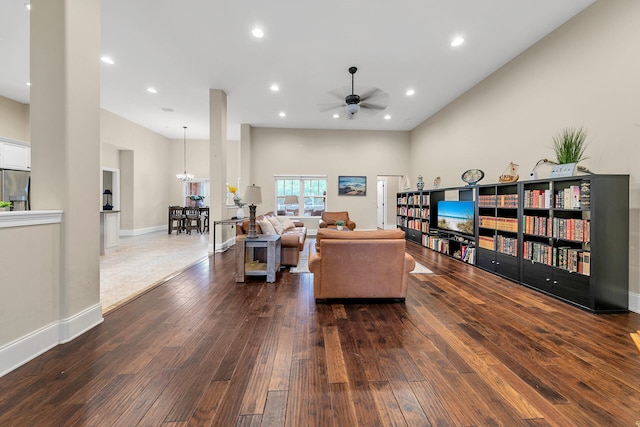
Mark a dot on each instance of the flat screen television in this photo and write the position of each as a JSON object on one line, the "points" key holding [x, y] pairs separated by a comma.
{"points": [[456, 216]]}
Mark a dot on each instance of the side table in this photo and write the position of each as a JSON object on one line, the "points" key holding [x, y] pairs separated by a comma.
{"points": [[247, 265]]}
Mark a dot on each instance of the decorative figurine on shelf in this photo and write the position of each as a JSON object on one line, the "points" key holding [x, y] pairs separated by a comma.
{"points": [[510, 174], [472, 176], [107, 206], [420, 183], [436, 182]]}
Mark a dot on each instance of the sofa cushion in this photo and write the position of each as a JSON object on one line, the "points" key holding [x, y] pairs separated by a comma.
{"points": [[286, 222], [329, 233], [277, 225], [266, 227]]}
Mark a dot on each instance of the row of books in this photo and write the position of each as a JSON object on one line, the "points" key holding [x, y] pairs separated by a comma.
{"points": [[570, 259], [537, 199], [415, 224], [558, 228], [414, 199], [466, 253], [414, 212], [572, 197], [436, 243], [502, 244], [498, 200], [498, 223]]}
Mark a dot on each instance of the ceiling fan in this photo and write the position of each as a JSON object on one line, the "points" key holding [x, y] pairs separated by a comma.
{"points": [[372, 101]]}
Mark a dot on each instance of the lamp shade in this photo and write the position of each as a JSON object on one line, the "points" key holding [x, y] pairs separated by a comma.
{"points": [[291, 200], [106, 191], [253, 195]]}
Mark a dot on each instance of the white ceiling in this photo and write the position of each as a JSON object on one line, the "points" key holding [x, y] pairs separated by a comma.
{"points": [[185, 48]]}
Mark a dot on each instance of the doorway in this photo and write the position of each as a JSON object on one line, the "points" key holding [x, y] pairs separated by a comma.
{"points": [[387, 187]]}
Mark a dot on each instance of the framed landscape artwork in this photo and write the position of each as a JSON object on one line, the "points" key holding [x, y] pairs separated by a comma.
{"points": [[352, 186]]}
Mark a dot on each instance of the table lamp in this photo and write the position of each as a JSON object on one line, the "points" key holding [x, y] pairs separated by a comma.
{"points": [[107, 206], [252, 196]]}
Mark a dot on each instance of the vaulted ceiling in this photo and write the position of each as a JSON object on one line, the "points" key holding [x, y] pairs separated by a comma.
{"points": [[183, 49]]}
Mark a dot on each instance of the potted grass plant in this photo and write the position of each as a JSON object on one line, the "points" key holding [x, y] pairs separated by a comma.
{"points": [[5, 206], [570, 145], [340, 224]]}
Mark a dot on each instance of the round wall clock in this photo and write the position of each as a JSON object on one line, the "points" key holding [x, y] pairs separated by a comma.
{"points": [[472, 176]]}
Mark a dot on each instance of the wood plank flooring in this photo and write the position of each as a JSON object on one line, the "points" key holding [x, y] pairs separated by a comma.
{"points": [[466, 349]]}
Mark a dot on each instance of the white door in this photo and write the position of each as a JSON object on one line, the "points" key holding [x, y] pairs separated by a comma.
{"points": [[381, 201]]}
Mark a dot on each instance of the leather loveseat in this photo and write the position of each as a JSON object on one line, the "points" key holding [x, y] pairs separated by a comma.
{"points": [[361, 264], [292, 239]]}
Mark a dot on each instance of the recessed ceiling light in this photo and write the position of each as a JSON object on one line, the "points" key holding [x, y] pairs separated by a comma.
{"points": [[257, 33], [457, 41], [275, 87], [151, 90], [28, 6], [411, 92], [336, 116], [107, 60], [387, 117], [282, 114]]}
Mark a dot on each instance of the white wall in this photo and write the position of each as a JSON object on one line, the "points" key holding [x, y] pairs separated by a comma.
{"points": [[332, 153], [586, 73]]}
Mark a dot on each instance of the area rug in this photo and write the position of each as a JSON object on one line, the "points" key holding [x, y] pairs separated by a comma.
{"points": [[303, 264]]}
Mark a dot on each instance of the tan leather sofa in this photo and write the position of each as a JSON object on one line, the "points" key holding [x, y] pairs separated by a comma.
{"points": [[328, 220], [361, 264], [292, 239]]}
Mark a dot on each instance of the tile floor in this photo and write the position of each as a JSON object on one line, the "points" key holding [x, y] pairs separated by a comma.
{"points": [[139, 263]]}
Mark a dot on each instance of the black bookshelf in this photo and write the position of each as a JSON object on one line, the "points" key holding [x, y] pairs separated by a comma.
{"points": [[565, 237]]}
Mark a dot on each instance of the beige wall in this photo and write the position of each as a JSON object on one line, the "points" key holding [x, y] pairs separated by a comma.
{"points": [[151, 174], [14, 119], [583, 74], [30, 284], [332, 153]]}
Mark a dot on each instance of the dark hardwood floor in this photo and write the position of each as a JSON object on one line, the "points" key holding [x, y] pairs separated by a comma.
{"points": [[466, 348]]}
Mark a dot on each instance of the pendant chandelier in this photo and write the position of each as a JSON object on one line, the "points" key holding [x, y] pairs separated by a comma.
{"points": [[185, 176]]}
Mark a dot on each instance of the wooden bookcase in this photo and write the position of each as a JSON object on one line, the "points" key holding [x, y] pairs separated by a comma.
{"points": [[566, 237]]}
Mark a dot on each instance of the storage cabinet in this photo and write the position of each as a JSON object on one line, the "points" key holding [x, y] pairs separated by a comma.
{"points": [[417, 212], [14, 155]]}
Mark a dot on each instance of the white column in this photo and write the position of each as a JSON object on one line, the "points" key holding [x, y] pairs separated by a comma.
{"points": [[218, 161], [65, 146]]}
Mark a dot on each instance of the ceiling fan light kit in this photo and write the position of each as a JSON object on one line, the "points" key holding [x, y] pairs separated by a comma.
{"points": [[354, 103]]}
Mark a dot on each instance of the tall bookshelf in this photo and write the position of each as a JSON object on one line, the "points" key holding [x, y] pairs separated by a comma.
{"points": [[565, 237]]}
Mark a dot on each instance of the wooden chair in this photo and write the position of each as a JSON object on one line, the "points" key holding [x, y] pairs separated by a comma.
{"points": [[176, 219], [204, 219], [192, 219]]}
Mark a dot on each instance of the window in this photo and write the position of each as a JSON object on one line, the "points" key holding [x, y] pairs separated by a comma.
{"points": [[301, 195]]}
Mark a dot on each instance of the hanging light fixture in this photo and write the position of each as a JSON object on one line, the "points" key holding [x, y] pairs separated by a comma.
{"points": [[185, 176]]}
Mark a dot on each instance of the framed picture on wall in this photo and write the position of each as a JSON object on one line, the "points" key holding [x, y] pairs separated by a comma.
{"points": [[352, 186]]}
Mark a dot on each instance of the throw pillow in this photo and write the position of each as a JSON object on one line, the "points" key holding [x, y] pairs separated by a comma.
{"points": [[266, 227], [276, 224], [286, 222]]}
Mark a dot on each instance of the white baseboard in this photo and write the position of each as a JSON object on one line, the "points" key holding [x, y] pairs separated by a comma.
{"points": [[634, 302], [222, 246], [139, 231], [32, 345], [79, 323]]}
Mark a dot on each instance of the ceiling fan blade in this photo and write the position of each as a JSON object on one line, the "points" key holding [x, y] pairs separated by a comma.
{"points": [[338, 93], [375, 92], [329, 107], [370, 106]]}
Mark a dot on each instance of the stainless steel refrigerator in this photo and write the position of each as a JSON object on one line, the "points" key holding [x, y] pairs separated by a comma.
{"points": [[14, 186]]}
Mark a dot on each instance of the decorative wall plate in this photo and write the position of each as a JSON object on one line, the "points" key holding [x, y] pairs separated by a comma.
{"points": [[472, 176]]}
